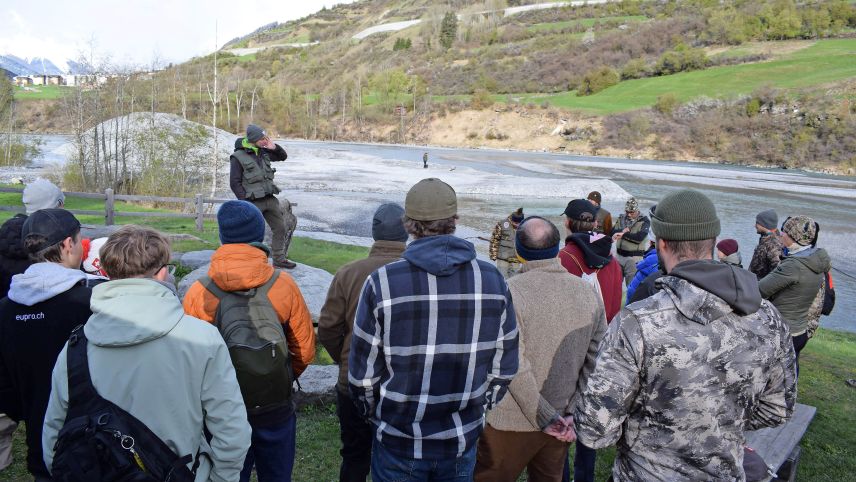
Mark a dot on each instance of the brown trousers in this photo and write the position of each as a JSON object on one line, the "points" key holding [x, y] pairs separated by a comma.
{"points": [[282, 223], [502, 456]]}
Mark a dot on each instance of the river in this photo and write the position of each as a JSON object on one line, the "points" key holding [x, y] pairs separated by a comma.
{"points": [[338, 186]]}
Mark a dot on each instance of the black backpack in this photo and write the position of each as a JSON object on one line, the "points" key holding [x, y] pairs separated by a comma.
{"points": [[828, 295], [102, 442], [257, 345]]}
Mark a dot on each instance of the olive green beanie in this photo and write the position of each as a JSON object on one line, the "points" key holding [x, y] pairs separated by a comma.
{"points": [[431, 200], [685, 215]]}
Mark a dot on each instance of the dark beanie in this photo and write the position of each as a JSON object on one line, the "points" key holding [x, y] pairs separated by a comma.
{"points": [[388, 223], [685, 215], [240, 222], [594, 196], [517, 216], [768, 219], [255, 133], [728, 246]]}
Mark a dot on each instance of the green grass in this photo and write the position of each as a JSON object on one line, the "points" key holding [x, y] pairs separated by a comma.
{"points": [[247, 58], [41, 92], [584, 22], [826, 61]]}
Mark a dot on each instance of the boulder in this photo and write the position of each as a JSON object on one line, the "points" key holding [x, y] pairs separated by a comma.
{"points": [[196, 259], [317, 385]]}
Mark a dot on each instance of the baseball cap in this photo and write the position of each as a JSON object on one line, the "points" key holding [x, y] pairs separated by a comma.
{"points": [[53, 224], [581, 210]]}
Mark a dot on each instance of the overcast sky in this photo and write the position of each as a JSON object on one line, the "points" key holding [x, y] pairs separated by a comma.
{"points": [[135, 31]]}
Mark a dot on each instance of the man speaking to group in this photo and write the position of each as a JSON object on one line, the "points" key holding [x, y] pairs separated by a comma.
{"points": [[251, 178]]}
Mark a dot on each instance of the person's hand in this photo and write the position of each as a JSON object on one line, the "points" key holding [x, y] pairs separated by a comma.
{"points": [[562, 430], [625, 230], [266, 143], [617, 236]]}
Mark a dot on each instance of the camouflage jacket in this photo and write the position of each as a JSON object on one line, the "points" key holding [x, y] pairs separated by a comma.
{"points": [[502, 242], [767, 255], [679, 377]]}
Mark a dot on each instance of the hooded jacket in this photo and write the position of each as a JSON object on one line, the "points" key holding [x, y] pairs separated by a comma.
{"points": [[45, 303], [649, 264], [434, 344], [169, 370], [241, 267], [681, 375], [792, 287], [13, 258], [767, 255], [585, 253], [336, 322]]}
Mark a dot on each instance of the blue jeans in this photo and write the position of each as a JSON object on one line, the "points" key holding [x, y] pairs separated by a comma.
{"points": [[584, 459], [272, 452], [388, 467]]}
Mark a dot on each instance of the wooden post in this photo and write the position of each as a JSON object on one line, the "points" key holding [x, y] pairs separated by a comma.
{"points": [[199, 218], [109, 208]]}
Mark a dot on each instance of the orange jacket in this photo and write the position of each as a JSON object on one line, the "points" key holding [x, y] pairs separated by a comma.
{"points": [[239, 267]]}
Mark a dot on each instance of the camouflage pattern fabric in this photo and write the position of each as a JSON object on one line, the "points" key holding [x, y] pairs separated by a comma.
{"points": [[502, 242], [678, 379], [814, 312], [767, 255]]}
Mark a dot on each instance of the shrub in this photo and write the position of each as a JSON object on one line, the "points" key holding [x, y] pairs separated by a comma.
{"points": [[481, 99], [666, 104], [472, 135], [495, 135], [597, 80], [635, 69]]}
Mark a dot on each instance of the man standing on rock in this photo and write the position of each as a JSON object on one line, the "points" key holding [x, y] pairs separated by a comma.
{"points": [[251, 178], [604, 217], [680, 376], [768, 253], [262, 316], [434, 345], [631, 238], [334, 332], [502, 249]]}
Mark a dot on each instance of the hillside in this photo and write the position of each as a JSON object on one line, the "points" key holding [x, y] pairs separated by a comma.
{"points": [[391, 70]]}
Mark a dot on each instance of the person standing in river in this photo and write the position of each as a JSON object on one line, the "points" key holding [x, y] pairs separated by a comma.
{"points": [[251, 179]]}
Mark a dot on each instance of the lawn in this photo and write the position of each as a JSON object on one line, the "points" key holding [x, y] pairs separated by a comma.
{"points": [[41, 92], [585, 22], [824, 62]]}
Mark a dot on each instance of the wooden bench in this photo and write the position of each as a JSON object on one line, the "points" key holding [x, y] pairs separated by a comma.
{"points": [[779, 446]]}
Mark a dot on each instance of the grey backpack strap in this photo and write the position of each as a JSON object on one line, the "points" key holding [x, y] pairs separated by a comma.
{"points": [[265, 288], [211, 286]]}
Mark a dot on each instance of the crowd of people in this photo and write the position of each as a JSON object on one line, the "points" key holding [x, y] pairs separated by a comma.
{"points": [[451, 367]]}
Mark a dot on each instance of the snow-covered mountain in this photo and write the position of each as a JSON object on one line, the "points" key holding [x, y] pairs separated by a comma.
{"points": [[38, 66]]}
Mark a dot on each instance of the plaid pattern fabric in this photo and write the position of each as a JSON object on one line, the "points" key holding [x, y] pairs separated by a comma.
{"points": [[430, 353]]}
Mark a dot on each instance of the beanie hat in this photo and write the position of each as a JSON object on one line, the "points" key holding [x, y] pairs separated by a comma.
{"points": [[769, 219], [581, 210], [388, 223], [517, 216], [92, 261], [686, 215], [42, 194], [594, 196], [727, 246], [801, 229], [255, 133], [632, 205], [431, 199], [240, 222]]}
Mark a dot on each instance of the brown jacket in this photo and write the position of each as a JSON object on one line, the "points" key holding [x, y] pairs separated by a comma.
{"points": [[337, 316], [561, 321]]}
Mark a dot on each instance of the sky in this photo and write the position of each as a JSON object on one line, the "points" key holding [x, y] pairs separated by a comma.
{"points": [[134, 32]]}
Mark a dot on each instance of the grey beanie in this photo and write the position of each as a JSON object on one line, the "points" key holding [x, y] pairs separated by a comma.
{"points": [[685, 215], [768, 219], [388, 223], [42, 194], [255, 133]]}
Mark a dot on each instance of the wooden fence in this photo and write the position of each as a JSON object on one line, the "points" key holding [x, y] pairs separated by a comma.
{"points": [[110, 212]]}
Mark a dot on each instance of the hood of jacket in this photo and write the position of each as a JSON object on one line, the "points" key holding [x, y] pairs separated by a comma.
{"points": [[650, 262], [736, 287], [440, 255], [239, 267], [595, 247], [43, 281], [815, 259], [131, 311]]}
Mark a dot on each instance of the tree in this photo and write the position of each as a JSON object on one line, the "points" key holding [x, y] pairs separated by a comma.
{"points": [[448, 30], [597, 80]]}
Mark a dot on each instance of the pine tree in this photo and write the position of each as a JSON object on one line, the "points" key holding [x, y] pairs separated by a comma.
{"points": [[448, 30]]}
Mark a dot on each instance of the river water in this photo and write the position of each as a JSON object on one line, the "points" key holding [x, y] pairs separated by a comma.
{"points": [[338, 186]]}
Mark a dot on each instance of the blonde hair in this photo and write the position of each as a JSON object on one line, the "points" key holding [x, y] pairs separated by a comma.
{"points": [[134, 252]]}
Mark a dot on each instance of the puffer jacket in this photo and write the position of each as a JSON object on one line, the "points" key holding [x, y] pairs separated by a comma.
{"points": [[649, 264], [13, 257], [792, 287]]}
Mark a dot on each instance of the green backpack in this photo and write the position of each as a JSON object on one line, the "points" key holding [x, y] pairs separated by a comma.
{"points": [[251, 329]]}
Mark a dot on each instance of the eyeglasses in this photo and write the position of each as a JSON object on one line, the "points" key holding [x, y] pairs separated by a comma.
{"points": [[170, 268]]}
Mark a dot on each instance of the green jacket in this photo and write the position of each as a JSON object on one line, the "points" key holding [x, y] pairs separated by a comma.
{"points": [[793, 286], [251, 175], [169, 370]]}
